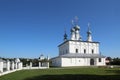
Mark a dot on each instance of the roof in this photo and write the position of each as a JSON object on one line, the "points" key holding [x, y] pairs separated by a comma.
{"points": [[77, 41], [80, 55]]}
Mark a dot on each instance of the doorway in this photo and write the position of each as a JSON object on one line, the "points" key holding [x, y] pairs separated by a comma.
{"points": [[91, 61]]}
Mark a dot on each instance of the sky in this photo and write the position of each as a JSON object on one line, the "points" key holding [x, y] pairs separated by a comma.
{"points": [[29, 28]]}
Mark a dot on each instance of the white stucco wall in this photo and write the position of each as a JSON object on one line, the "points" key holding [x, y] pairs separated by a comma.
{"points": [[67, 62], [64, 49], [83, 45], [56, 62], [102, 63], [1, 66], [75, 62], [71, 46], [8, 65], [20, 64]]}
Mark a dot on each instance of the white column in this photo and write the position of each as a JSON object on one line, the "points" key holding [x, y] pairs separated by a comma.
{"points": [[30, 64], [1, 66], [48, 64], [39, 64], [12, 65], [20, 65], [8, 65]]}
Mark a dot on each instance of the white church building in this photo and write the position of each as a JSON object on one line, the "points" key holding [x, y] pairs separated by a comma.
{"points": [[76, 52]]}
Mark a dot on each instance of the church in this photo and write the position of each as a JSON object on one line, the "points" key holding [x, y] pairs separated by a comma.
{"points": [[77, 52]]}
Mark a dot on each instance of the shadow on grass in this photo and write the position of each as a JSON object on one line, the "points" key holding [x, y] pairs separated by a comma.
{"points": [[75, 77], [117, 72]]}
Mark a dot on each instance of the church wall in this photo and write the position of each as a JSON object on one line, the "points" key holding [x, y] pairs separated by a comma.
{"points": [[64, 49], [56, 62], [75, 62], [73, 46], [92, 46], [84, 47], [102, 63], [67, 62]]}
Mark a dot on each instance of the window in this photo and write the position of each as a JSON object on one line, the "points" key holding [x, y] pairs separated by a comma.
{"points": [[99, 59], [76, 50], [84, 50], [92, 51], [66, 51]]}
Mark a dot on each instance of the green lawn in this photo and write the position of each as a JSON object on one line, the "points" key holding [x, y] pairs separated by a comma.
{"points": [[65, 74]]}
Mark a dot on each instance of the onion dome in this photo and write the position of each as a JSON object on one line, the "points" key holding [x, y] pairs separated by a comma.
{"points": [[65, 36], [72, 30], [77, 27], [89, 32]]}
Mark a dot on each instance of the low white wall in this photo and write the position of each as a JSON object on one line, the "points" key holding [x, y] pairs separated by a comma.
{"points": [[35, 67], [1, 67], [12, 67], [56, 62]]}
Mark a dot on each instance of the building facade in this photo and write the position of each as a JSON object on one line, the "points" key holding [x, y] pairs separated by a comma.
{"points": [[76, 52]]}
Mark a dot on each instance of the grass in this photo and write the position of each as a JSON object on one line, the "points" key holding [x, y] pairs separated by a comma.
{"points": [[65, 74]]}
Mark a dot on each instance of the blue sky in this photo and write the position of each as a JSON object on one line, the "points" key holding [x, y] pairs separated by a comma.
{"points": [[29, 28]]}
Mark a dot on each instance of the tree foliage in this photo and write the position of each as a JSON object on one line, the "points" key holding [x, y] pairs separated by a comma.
{"points": [[115, 61]]}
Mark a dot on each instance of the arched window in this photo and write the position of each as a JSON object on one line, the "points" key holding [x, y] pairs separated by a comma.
{"points": [[99, 59], [92, 51], [76, 50], [84, 51]]}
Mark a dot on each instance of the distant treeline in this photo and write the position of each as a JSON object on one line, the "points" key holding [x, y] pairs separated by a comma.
{"points": [[113, 61]]}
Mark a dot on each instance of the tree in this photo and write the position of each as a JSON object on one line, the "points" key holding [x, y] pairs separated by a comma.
{"points": [[108, 60], [115, 61]]}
